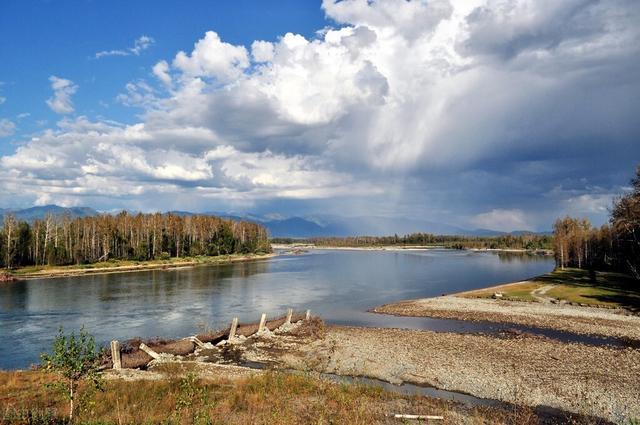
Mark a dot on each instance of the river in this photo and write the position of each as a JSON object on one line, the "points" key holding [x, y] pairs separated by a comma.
{"points": [[340, 286]]}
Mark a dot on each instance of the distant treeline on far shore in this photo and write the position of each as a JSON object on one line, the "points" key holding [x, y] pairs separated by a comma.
{"points": [[65, 240], [525, 241]]}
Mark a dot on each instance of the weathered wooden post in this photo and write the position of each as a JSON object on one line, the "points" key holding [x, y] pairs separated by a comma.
{"points": [[308, 315], [115, 355], [289, 314], [234, 328], [196, 342], [144, 347], [263, 322]]}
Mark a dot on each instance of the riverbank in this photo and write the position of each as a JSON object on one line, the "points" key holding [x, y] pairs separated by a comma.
{"points": [[532, 303], [303, 246], [293, 247], [520, 369], [579, 320], [123, 266], [523, 370], [6, 277], [295, 377], [547, 252], [550, 381]]}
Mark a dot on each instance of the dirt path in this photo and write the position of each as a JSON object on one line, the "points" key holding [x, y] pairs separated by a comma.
{"points": [[539, 293], [580, 320]]}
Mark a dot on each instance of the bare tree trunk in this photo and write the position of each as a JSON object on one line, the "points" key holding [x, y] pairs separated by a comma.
{"points": [[36, 244], [47, 233], [9, 249]]}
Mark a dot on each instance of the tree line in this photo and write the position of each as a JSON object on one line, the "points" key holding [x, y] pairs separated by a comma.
{"points": [[525, 241], [63, 240], [614, 246]]}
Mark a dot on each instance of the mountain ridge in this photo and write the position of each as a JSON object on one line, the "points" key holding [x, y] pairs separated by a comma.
{"points": [[295, 227]]}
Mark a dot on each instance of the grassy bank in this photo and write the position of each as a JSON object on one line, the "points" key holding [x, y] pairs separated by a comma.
{"points": [[115, 266], [269, 398], [604, 289]]}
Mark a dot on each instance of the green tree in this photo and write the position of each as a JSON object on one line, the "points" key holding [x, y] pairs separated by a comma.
{"points": [[23, 242], [74, 359]]}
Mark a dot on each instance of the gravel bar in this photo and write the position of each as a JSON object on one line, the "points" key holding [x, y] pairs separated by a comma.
{"points": [[563, 317], [596, 381]]}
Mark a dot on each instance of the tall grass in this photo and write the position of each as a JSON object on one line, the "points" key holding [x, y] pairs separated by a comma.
{"points": [[269, 398]]}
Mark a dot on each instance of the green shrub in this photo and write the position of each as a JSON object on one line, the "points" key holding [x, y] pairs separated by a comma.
{"points": [[73, 359]]}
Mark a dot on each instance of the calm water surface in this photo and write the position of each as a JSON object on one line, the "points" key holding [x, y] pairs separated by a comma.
{"points": [[338, 285]]}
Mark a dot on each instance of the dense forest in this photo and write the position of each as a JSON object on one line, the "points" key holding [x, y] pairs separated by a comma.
{"points": [[64, 240], [525, 241], [614, 246]]}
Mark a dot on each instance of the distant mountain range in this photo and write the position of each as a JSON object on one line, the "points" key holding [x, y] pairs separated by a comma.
{"points": [[299, 227], [35, 213], [294, 227]]}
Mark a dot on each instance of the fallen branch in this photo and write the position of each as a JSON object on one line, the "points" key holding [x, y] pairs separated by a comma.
{"points": [[432, 417]]}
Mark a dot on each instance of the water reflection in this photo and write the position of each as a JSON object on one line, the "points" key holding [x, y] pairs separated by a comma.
{"points": [[339, 285], [511, 256]]}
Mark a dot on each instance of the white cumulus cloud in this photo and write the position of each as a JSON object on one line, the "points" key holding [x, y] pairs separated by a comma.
{"points": [[161, 71], [211, 57], [472, 106], [63, 89]]}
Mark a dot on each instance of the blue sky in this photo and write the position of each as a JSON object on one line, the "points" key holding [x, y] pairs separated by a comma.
{"points": [[40, 38], [478, 113]]}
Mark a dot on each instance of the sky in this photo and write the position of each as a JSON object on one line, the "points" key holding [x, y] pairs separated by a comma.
{"points": [[477, 113]]}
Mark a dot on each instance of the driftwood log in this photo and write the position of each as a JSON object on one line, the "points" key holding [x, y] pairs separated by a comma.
{"points": [[133, 357]]}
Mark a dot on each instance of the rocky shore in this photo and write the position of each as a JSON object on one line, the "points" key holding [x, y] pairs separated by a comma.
{"points": [[524, 370], [577, 382], [576, 319]]}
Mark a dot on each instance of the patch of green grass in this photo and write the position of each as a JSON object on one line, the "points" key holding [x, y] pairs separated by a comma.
{"points": [[602, 289], [519, 296], [514, 291]]}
